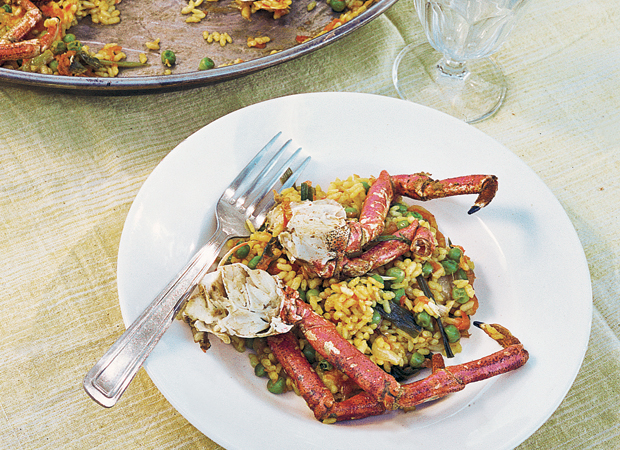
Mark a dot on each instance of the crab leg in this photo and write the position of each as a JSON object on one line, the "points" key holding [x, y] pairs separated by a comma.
{"points": [[381, 391], [33, 47], [420, 186], [11, 48], [414, 237]]}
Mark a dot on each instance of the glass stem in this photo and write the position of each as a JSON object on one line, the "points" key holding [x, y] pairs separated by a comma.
{"points": [[452, 69]]}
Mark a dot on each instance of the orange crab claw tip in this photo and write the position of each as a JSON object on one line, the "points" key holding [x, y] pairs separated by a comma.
{"points": [[474, 209], [478, 324]]}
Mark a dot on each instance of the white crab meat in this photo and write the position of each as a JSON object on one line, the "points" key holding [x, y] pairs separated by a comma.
{"points": [[308, 233], [235, 300]]}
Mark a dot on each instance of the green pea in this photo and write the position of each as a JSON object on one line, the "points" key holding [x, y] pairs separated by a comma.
{"points": [[427, 269], [58, 47], [455, 254], [309, 353], [53, 65], [168, 58], [312, 293], [460, 275], [460, 295], [452, 333], [206, 64], [254, 262], [398, 294], [7, 8], [397, 273], [276, 387], [379, 278], [449, 266], [242, 252], [402, 223], [423, 319], [76, 46], [416, 360], [260, 371], [366, 186], [376, 317], [69, 38], [351, 212], [338, 5]]}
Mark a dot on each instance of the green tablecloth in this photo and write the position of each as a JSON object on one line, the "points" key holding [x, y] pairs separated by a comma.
{"points": [[71, 165]]}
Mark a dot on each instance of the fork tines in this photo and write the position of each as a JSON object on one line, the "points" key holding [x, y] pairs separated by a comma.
{"points": [[258, 179]]}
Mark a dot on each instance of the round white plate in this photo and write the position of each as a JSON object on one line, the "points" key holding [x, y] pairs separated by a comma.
{"points": [[532, 274]]}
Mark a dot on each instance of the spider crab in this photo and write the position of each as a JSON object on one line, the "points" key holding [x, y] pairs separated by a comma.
{"points": [[12, 48], [240, 301], [316, 235]]}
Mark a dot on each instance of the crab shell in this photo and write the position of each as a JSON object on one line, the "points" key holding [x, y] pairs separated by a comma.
{"points": [[237, 301], [312, 231]]}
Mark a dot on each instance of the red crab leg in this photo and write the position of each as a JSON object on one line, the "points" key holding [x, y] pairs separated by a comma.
{"points": [[420, 186], [28, 21], [318, 397], [382, 391], [373, 214], [33, 47], [422, 243]]}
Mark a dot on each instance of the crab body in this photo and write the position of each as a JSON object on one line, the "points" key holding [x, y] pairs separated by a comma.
{"points": [[317, 235]]}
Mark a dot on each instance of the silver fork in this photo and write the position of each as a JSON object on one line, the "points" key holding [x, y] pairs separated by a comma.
{"points": [[248, 198]]}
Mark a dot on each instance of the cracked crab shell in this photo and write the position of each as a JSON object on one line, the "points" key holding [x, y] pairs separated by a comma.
{"points": [[235, 300], [310, 229]]}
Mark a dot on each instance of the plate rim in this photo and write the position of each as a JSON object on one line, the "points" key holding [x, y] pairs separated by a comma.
{"points": [[519, 437], [126, 85]]}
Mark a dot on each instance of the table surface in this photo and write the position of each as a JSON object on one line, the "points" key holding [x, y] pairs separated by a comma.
{"points": [[72, 164]]}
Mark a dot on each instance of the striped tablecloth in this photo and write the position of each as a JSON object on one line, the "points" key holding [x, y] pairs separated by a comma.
{"points": [[70, 166]]}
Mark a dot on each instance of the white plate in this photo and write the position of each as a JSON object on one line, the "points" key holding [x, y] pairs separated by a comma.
{"points": [[532, 274]]}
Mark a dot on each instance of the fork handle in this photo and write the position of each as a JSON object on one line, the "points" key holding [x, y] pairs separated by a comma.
{"points": [[111, 375]]}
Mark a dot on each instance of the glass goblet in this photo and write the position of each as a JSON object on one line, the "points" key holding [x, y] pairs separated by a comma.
{"points": [[454, 74]]}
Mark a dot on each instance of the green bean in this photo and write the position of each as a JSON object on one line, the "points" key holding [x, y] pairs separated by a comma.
{"points": [[7, 8], [416, 215], [276, 387], [402, 223], [452, 333], [254, 262]]}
